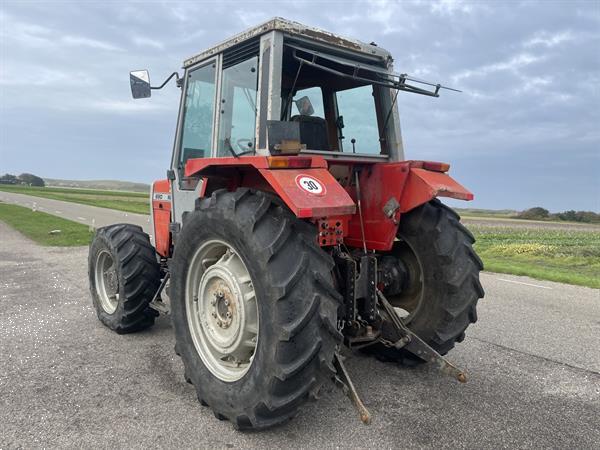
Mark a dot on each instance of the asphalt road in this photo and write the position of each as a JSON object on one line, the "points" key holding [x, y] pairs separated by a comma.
{"points": [[67, 381], [89, 215]]}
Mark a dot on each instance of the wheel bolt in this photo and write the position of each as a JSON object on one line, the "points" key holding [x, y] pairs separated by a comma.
{"points": [[226, 302], [228, 315]]}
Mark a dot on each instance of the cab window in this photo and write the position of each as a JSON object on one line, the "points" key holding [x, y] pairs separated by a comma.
{"points": [[307, 98], [357, 108], [237, 115], [196, 134]]}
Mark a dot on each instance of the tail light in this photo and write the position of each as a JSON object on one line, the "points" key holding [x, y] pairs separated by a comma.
{"points": [[288, 162]]}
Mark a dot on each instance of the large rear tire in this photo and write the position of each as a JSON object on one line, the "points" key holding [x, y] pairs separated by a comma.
{"points": [[442, 288], [253, 307], [124, 276]]}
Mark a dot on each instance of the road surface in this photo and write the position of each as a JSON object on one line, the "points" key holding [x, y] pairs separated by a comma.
{"points": [[89, 215], [65, 380]]}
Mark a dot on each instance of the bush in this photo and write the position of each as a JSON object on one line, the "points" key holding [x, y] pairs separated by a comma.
{"points": [[537, 213], [578, 216], [7, 178], [31, 180]]}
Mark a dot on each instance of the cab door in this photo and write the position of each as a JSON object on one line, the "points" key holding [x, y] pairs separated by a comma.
{"points": [[195, 137]]}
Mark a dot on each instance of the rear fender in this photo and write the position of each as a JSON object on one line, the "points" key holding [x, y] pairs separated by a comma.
{"points": [[310, 193], [308, 189], [424, 185], [390, 189]]}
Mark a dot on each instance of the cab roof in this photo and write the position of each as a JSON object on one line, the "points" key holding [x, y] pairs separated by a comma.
{"points": [[291, 28]]}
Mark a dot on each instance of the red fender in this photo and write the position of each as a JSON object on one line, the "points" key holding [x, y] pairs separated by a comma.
{"points": [[289, 177], [310, 192], [390, 189], [424, 185]]}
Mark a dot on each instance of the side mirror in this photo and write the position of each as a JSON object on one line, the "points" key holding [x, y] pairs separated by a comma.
{"points": [[140, 83]]}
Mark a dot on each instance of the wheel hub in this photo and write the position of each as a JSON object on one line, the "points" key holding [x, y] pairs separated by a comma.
{"points": [[222, 304], [112, 282]]}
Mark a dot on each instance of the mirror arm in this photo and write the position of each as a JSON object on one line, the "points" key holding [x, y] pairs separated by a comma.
{"points": [[178, 81]]}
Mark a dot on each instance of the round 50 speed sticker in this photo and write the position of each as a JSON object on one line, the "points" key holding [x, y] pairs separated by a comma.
{"points": [[310, 184]]}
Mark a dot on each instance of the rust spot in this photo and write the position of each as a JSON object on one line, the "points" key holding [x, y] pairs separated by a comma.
{"points": [[332, 39]]}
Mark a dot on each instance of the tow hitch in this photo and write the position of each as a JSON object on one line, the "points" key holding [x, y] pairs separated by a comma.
{"points": [[417, 346], [411, 342]]}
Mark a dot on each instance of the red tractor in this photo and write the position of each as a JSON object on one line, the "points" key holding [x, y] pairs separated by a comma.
{"points": [[290, 225]]}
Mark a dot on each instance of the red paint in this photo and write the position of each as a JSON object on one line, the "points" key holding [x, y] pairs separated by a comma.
{"points": [[378, 184], [423, 185], [197, 165], [435, 166], [406, 182], [334, 202], [409, 183], [161, 216], [233, 173]]}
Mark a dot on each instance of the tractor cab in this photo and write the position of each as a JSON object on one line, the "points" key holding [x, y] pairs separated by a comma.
{"points": [[283, 88]]}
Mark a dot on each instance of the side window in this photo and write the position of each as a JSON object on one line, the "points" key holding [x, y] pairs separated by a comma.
{"points": [[315, 99], [237, 126], [357, 106], [196, 135]]}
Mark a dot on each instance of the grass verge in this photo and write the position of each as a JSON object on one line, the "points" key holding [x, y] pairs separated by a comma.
{"points": [[566, 256], [134, 202], [37, 225]]}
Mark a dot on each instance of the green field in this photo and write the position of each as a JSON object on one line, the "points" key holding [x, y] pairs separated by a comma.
{"points": [[135, 202], [37, 226], [567, 255], [491, 213]]}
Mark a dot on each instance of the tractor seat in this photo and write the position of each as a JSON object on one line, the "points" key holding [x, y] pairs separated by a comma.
{"points": [[313, 132]]}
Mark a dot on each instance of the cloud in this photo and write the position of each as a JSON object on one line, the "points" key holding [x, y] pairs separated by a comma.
{"points": [[33, 75], [451, 7], [514, 64], [549, 40], [124, 106], [89, 43], [388, 16], [142, 41], [36, 36]]}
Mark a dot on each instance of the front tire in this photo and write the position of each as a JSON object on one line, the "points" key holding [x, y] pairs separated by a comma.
{"points": [[245, 248], [124, 275]]}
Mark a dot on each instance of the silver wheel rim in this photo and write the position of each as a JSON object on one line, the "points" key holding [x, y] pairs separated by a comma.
{"points": [[107, 282], [221, 310]]}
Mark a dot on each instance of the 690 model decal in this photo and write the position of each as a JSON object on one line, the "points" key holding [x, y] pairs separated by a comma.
{"points": [[310, 184]]}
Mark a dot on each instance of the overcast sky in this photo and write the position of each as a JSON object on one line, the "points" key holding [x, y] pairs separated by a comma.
{"points": [[525, 131]]}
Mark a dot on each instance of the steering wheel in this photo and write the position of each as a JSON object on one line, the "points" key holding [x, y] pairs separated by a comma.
{"points": [[245, 144]]}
